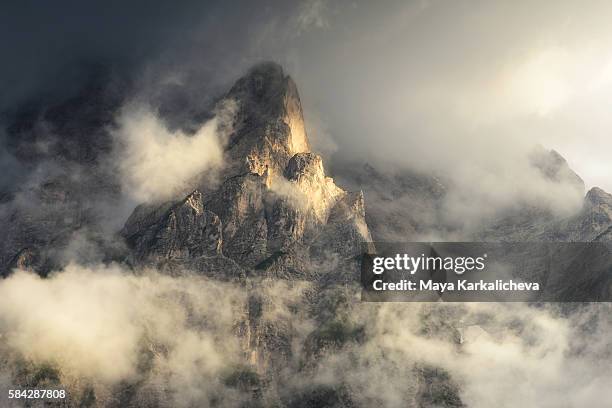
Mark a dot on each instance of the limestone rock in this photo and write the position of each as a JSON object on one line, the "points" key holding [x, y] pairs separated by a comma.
{"points": [[269, 127], [240, 205], [554, 167], [272, 208], [185, 230]]}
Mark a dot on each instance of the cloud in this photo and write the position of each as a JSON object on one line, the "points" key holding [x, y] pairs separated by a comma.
{"points": [[425, 87], [289, 191], [483, 188], [175, 339], [102, 324], [505, 355], [156, 163]]}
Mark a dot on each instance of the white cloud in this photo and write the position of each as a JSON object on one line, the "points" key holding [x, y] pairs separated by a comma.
{"points": [[156, 163], [175, 338], [98, 324]]}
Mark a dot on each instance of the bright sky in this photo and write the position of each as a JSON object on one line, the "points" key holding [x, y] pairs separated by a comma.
{"points": [[423, 81]]}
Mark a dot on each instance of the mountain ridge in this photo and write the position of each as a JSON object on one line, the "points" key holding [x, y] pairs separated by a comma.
{"points": [[275, 228], [268, 133], [275, 200]]}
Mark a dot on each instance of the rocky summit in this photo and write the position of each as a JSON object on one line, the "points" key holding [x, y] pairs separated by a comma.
{"points": [[272, 210], [275, 213]]}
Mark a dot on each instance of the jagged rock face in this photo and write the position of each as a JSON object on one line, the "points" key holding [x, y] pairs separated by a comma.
{"points": [[272, 212], [179, 236], [250, 223], [275, 214], [306, 197], [346, 228], [186, 230], [269, 123], [401, 205], [240, 205], [554, 167], [306, 170], [594, 222]]}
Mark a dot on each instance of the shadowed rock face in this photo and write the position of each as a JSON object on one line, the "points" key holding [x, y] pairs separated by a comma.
{"points": [[61, 147], [186, 230], [404, 205], [401, 205], [593, 222], [73, 130]]}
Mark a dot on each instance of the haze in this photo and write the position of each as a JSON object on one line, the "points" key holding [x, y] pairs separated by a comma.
{"points": [[430, 84]]}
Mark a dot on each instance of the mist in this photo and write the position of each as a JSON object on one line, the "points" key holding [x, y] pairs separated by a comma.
{"points": [[433, 86], [101, 324], [105, 327], [462, 92], [156, 163]]}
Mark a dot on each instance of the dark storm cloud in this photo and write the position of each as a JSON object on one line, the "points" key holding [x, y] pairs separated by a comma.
{"points": [[45, 45], [177, 55]]}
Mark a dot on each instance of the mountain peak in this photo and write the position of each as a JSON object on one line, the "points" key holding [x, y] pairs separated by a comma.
{"points": [[597, 196], [555, 168], [262, 81], [269, 127]]}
